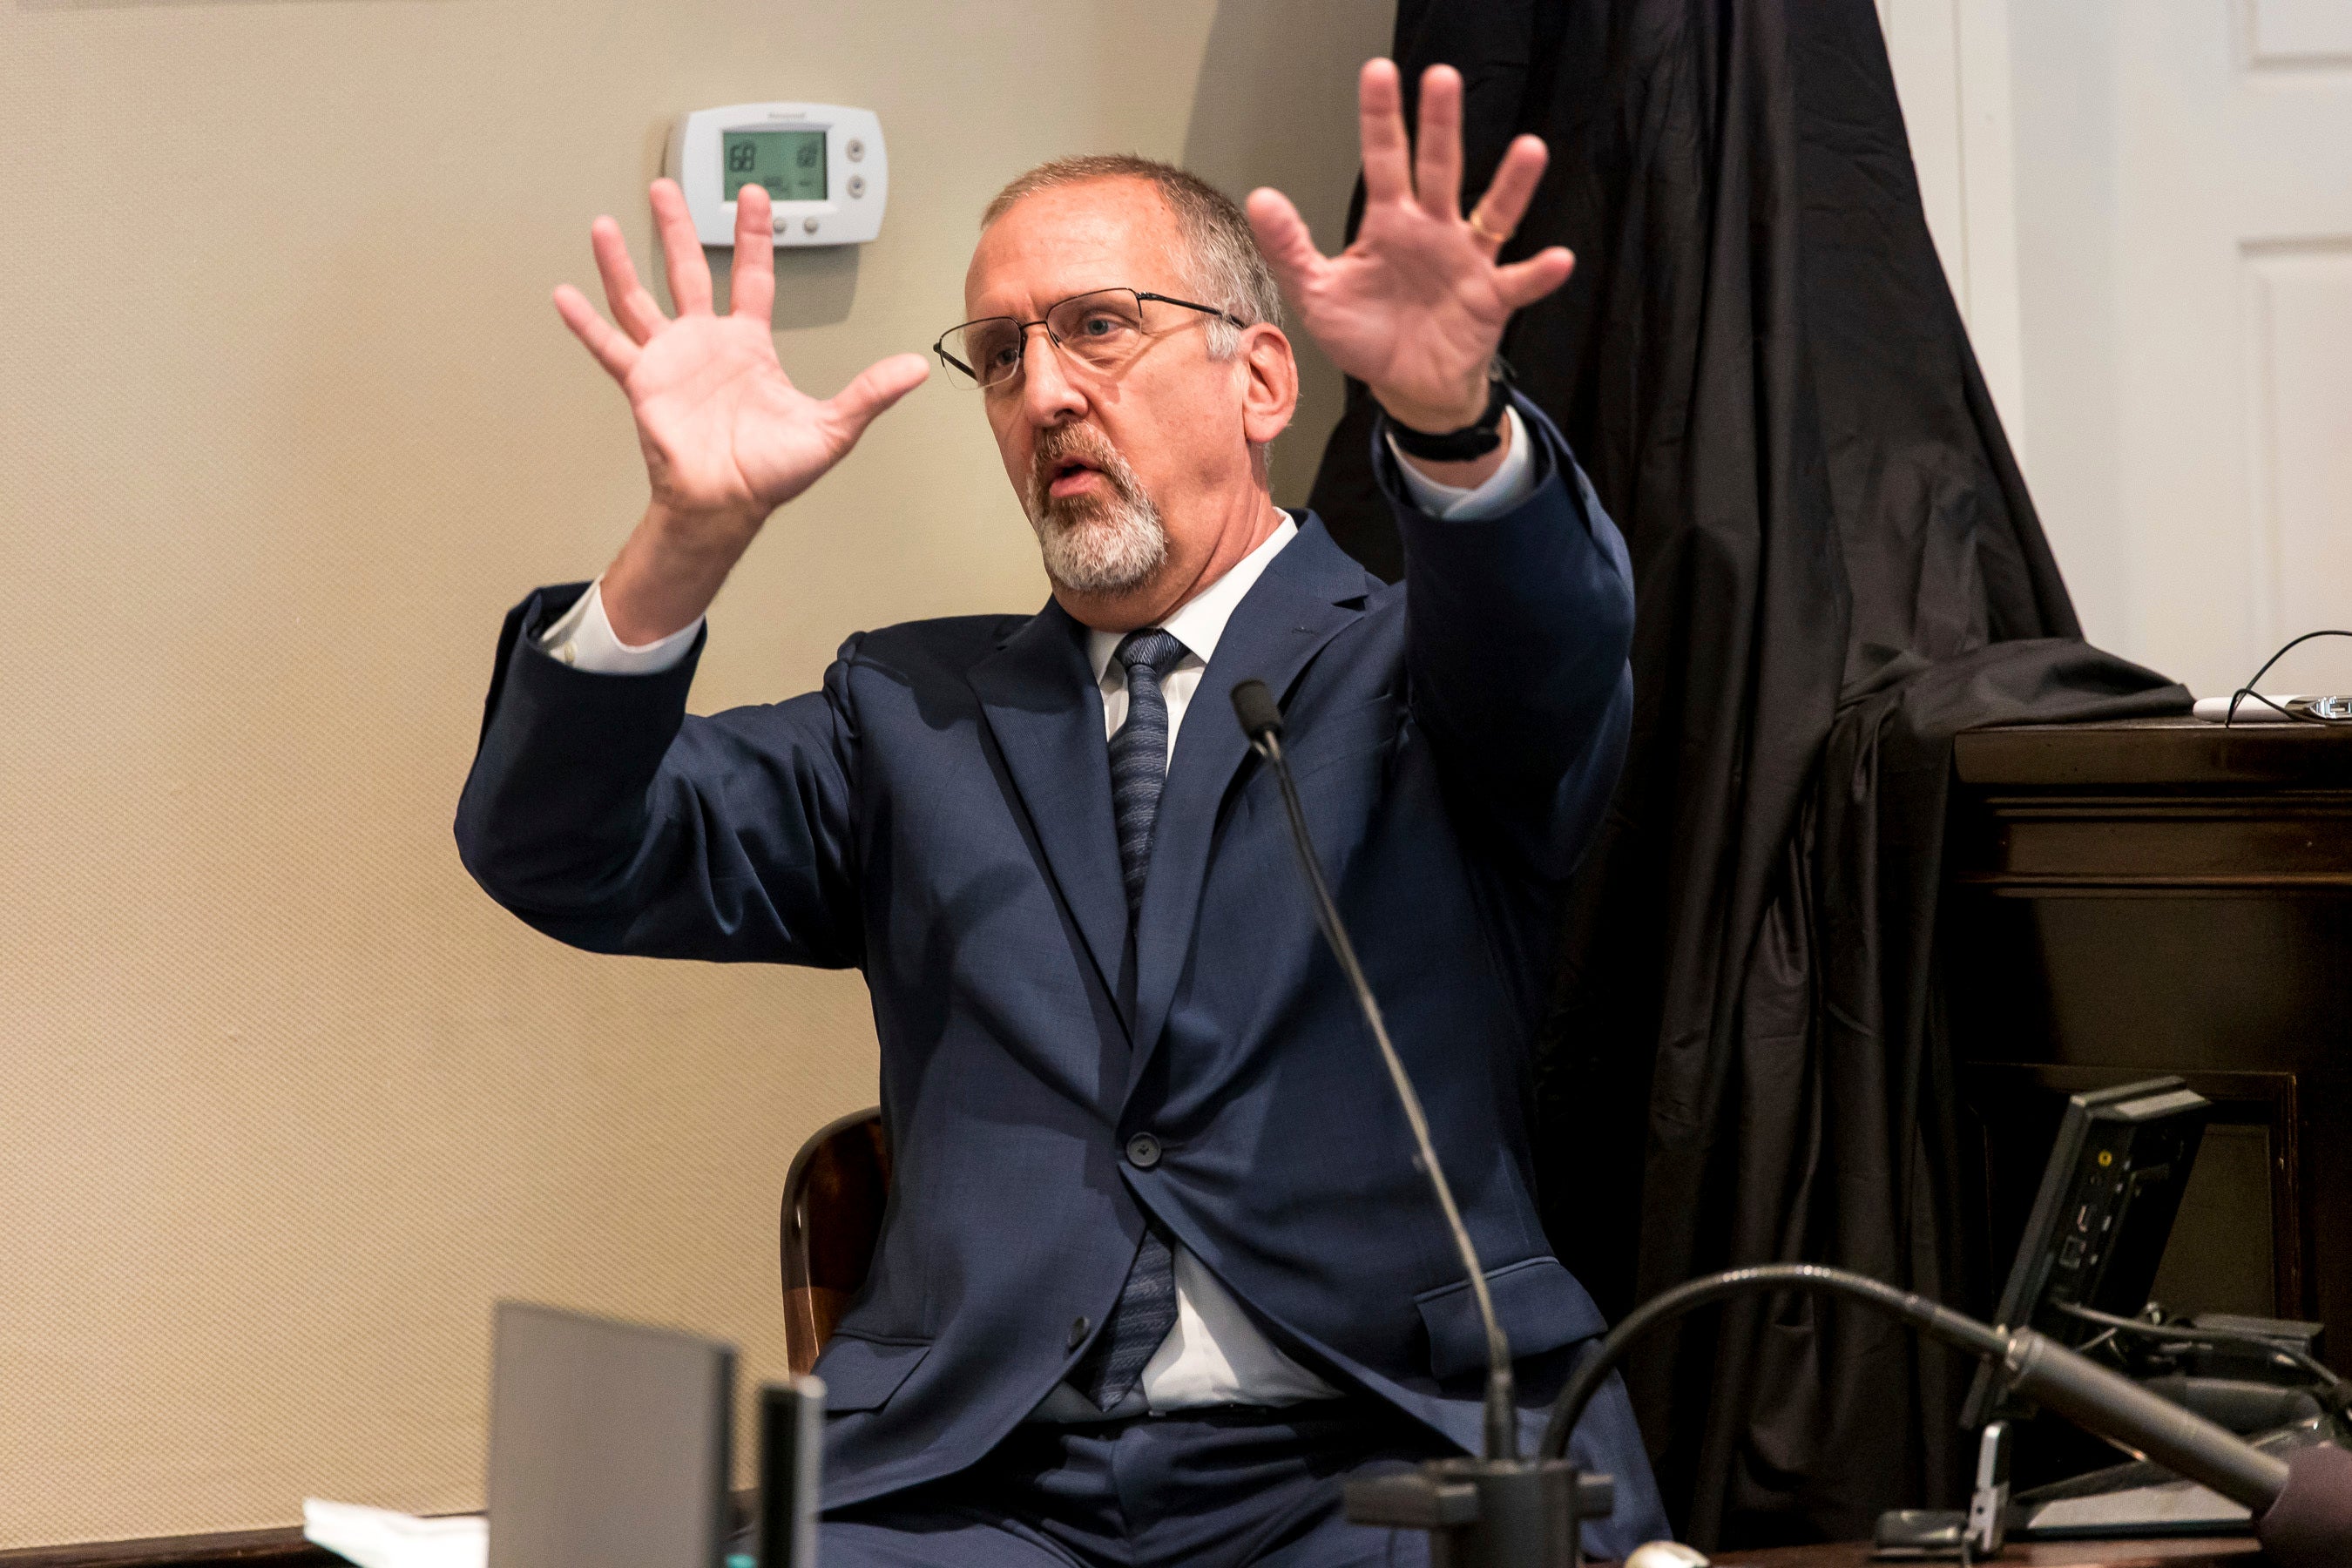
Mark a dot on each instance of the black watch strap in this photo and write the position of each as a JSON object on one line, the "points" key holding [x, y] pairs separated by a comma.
{"points": [[1473, 440]]}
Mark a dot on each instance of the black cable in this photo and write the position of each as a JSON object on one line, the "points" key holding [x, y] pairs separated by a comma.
{"points": [[2247, 690], [2337, 1389]]}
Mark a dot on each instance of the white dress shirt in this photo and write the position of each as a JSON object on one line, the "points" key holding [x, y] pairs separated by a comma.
{"points": [[1215, 1355]]}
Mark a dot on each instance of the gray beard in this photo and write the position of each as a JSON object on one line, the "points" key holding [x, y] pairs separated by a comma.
{"points": [[1097, 546]]}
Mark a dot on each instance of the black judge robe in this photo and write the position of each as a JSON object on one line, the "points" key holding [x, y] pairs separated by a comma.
{"points": [[1837, 568]]}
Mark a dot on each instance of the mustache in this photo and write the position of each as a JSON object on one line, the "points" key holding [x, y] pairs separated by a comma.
{"points": [[1064, 444]]}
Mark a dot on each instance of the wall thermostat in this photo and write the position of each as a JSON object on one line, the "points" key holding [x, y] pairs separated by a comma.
{"points": [[823, 166]]}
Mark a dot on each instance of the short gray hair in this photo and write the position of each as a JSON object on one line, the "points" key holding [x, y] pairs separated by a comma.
{"points": [[1224, 266]]}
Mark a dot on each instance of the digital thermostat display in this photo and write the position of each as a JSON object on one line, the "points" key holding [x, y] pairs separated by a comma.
{"points": [[823, 166], [790, 164]]}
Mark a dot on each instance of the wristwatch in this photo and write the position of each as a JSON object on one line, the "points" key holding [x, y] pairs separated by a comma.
{"points": [[1476, 439]]}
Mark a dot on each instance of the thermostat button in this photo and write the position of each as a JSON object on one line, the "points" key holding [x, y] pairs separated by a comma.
{"points": [[809, 224], [856, 148], [856, 185]]}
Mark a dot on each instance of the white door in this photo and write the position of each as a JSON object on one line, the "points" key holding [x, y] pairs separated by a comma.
{"points": [[2148, 221]]}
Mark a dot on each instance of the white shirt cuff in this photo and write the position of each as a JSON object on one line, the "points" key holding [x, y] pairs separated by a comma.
{"points": [[1505, 487], [584, 639]]}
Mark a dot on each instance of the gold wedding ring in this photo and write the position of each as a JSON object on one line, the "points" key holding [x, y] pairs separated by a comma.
{"points": [[1483, 232]]}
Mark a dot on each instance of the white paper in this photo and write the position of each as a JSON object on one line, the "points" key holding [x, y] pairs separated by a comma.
{"points": [[2216, 709], [379, 1538]]}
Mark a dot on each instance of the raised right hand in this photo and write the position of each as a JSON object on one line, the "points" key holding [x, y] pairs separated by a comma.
{"points": [[727, 437]]}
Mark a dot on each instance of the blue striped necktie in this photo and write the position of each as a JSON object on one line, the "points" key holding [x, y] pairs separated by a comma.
{"points": [[1139, 753], [1146, 1308]]}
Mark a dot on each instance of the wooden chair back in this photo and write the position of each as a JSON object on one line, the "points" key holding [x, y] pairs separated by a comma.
{"points": [[834, 1195]]}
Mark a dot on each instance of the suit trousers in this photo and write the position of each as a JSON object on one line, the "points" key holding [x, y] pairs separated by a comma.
{"points": [[1219, 1488]]}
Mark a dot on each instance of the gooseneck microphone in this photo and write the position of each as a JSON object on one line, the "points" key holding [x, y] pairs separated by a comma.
{"points": [[2302, 1507], [1261, 721], [2038, 1367]]}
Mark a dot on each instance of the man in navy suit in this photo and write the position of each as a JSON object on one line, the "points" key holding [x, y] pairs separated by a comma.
{"points": [[1158, 1273]]}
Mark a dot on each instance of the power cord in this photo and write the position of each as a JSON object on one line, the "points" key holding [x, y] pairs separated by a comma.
{"points": [[2247, 690]]}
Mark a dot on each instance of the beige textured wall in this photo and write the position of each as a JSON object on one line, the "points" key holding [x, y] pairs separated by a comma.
{"points": [[286, 422]]}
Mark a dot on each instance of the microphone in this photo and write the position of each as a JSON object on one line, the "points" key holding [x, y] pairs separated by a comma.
{"points": [[1261, 721], [2311, 1522], [1261, 718], [1498, 1510]]}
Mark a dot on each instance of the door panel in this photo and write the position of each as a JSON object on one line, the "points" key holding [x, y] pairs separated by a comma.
{"points": [[2184, 194]]}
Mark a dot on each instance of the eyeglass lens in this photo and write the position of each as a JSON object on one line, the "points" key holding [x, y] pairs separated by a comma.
{"points": [[1102, 330]]}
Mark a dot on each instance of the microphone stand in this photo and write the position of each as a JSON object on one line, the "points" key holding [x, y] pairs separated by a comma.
{"points": [[1497, 1510], [1500, 1511]]}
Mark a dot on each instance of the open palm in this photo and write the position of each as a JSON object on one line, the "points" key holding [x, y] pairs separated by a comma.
{"points": [[1416, 306], [725, 432]]}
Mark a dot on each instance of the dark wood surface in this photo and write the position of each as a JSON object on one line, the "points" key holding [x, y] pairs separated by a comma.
{"points": [[244, 1548], [835, 1196], [2140, 752]]}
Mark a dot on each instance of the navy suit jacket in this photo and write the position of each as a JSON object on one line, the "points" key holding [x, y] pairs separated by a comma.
{"points": [[939, 816]]}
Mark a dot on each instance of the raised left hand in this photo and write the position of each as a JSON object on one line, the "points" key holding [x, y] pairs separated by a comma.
{"points": [[1415, 308]]}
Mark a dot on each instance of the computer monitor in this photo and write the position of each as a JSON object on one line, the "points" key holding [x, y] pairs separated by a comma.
{"points": [[2102, 1218], [792, 1453], [610, 1443]]}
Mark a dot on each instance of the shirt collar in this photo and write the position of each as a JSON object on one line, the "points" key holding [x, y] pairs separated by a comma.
{"points": [[1201, 620]]}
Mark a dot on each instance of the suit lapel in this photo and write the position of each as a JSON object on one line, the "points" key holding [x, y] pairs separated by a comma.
{"points": [[1045, 710], [1309, 592]]}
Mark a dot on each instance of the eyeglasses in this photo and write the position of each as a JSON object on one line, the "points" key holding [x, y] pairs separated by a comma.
{"points": [[1102, 330]]}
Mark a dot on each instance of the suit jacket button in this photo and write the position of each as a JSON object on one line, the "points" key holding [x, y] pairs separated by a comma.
{"points": [[1078, 1333], [1143, 1151]]}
